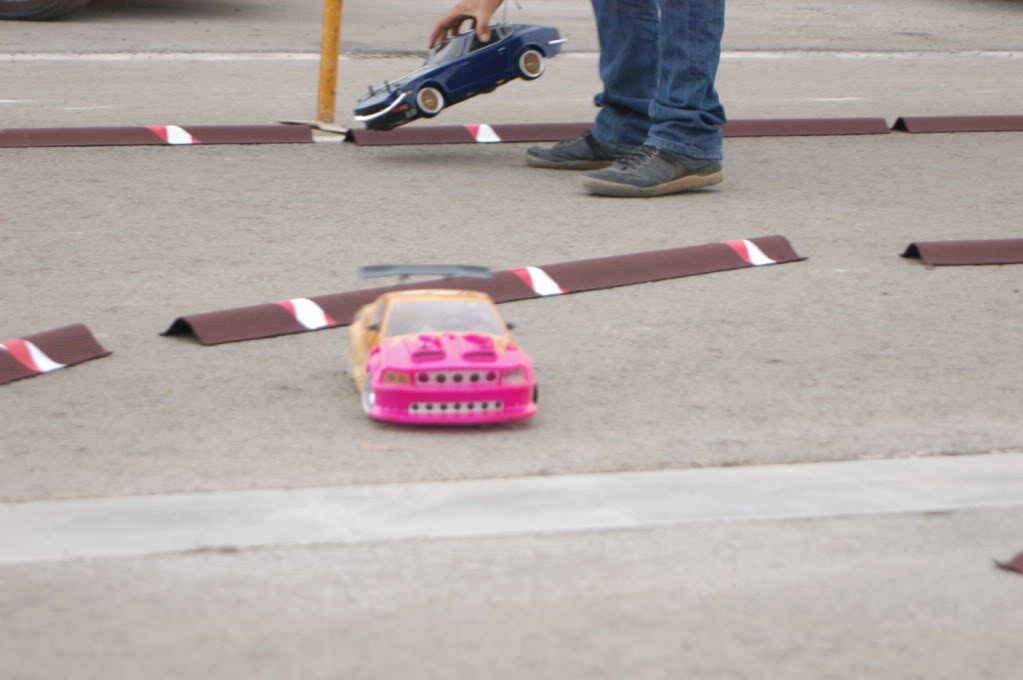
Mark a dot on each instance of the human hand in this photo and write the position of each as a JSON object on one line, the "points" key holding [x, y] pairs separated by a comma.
{"points": [[479, 11]]}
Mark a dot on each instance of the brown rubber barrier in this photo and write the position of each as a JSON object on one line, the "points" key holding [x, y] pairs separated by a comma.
{"points": [[467, 134], [160, 135], [959, 124], [993, 251], [554, 132], [1015, 564], [47, 352], [803, 127], [303, 314]]}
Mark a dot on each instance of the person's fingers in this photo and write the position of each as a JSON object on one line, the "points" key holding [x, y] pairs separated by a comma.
{"points": [[450, 25], [483, 29], [457, 28], [441, 30]]}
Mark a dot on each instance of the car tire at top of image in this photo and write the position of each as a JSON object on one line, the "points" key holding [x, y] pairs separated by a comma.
{"points": [[38, 10]]}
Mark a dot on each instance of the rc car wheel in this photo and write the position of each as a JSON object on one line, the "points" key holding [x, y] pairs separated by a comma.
{"points": [[430, 101], [531, 64], [369, 396]]}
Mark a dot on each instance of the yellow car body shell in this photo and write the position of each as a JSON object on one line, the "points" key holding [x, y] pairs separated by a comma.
{"points": [[369, 326]]}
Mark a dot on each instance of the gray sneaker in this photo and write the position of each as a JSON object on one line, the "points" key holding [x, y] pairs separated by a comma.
{"points": [[578, 153], [651, 171]]}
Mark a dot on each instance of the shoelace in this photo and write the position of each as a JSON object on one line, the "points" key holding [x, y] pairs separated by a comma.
{"points": [[573, 141], [637, 158]]}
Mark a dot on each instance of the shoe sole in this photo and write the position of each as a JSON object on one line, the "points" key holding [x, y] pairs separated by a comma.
{"points": [[603, 187], [535, 162]]}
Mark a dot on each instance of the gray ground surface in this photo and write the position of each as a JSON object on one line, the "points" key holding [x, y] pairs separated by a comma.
{"points": [[855, 353], [162, 91], [889, 597]]}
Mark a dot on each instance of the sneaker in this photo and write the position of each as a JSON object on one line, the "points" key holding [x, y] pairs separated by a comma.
{"points": [[578, 153], [651, 171]]}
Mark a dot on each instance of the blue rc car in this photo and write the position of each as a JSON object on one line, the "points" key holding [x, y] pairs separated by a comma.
{"points": [[459, 68]]}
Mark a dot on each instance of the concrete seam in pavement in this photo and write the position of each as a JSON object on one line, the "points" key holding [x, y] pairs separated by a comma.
{"points": [[43, 531]]}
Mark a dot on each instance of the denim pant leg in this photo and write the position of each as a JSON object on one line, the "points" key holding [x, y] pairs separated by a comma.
{"points": [[628, 32], [685, 112]]}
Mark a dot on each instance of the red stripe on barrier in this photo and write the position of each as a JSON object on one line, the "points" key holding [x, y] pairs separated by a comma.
{"points": [[740, 248], [269, 320], [173, 134], [308, 313], [47, 351], [539, 280], [19, 349]]}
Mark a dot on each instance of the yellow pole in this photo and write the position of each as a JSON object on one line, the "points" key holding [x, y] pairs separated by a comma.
{"points": [[330, 49]]}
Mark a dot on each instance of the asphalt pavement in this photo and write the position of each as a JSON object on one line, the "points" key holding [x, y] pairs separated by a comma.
{"points": [[855, 357]]}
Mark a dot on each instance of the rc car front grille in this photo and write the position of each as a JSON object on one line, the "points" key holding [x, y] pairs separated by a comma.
{"points": [[456, 378], [441, 408]]}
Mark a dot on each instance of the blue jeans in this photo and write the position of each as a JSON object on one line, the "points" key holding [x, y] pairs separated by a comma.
{"points": [[658, 62]]}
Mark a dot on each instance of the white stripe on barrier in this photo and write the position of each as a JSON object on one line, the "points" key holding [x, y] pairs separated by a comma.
{"points": [[30, 356], [542, 283], [308, 313], [484, 134]]}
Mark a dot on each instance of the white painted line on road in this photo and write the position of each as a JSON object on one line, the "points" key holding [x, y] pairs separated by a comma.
{"points": [[315, 56], [866, 54], [161, 56], [144, 525]]}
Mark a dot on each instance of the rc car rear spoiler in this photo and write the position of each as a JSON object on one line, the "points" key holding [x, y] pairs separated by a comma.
{"points": [[405, 270]]}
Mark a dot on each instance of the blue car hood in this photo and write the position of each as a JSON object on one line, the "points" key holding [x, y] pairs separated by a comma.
{"points": [[381, 95]]}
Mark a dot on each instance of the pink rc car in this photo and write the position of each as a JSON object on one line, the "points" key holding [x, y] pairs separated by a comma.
{"points": [[439, 356]]}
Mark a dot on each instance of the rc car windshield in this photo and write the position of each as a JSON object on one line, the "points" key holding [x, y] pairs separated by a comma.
{"points": [[446, 51], [477, 43], [435, 316]]}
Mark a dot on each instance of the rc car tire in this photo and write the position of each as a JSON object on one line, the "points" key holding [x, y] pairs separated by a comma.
{"points": [[38, 10], [429, 101], [531, 64], [369, 396]]}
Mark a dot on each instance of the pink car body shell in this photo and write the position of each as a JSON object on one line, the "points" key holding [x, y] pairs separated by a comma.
{"points": [[442, 377]]}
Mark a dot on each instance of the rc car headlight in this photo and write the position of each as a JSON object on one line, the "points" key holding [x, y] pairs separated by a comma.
{"points": [[396, 378], [515, 376]]}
